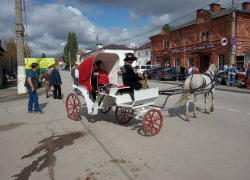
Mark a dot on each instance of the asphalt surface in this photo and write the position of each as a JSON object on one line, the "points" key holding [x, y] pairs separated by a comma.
{"points": [[51, 146]]}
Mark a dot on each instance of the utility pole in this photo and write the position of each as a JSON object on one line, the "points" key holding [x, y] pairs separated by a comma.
{"points": [[96, 42], [232, 32], [20, 49], [69, 61]]}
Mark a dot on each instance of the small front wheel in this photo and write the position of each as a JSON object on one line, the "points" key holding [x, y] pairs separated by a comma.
{"points": [[122, 115], [73, 107], [152, 122], [105, 110]]}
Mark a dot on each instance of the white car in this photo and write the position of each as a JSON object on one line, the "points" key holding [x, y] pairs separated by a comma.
{"points": [[142, 68]]}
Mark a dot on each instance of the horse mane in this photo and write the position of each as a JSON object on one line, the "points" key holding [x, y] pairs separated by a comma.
{"points": [[210, 69]]}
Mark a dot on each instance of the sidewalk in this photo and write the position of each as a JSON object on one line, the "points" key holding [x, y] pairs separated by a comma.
{"points": [[218, 87], [10, 93]]}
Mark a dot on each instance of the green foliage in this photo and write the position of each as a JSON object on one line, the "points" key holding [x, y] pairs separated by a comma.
{"points": [[72, 47], [43, 55]]}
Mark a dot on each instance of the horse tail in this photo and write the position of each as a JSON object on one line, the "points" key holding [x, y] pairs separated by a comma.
{"points": [[184, 96]]}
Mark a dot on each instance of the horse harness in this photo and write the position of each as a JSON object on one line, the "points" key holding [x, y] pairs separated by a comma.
{"points": [[204, 85]]}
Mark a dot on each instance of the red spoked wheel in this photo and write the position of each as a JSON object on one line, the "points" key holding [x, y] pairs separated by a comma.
{"points": [[121, 117], [152, 122], [105, 110], [73, 106]]}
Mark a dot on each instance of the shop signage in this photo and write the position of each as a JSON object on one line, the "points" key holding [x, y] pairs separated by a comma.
{"points": [[190, 49]]}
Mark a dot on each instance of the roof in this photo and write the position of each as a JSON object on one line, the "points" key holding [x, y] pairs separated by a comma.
{"points": [[144, 46], [114, 46], [59, 59], [80, 52]]}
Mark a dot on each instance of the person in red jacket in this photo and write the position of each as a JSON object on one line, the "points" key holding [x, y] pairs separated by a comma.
{"points": [[103, 78]]}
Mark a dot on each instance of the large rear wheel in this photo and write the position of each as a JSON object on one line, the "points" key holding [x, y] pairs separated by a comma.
{"points": [[73, 106], [152, 122], [121, 117]]}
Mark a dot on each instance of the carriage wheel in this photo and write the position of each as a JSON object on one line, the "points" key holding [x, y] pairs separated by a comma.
{"points": [[123, 118], [152, 122], [105, 110], [73, 106]]}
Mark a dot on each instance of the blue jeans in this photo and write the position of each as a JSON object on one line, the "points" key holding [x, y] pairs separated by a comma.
{"points": [[33, 98], [232, 79], [76, 83]]}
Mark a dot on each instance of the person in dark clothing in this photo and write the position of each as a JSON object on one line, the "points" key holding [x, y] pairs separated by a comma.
{"points": [[136, 81], [31, 83], [94, 77], [55, 80]]}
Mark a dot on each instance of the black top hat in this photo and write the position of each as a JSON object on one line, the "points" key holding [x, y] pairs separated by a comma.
{"points": [[130, 57]]}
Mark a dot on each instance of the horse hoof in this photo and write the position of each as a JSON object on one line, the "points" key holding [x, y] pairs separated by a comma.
{"points": [[195, 116], [212, 109], [207, 112]]}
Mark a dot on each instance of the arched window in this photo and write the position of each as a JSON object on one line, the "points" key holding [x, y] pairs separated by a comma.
{"points": [[208, 36], [203, 37]]}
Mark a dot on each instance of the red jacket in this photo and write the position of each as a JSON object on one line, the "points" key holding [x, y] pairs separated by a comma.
{"points": [[103, 77]]}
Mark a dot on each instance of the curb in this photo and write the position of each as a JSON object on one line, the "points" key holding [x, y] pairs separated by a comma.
{"points": [[216, 87], [20, 97]]}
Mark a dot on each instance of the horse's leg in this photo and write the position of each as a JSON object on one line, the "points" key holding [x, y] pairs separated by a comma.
{"points": [[196, 97], [187, 105], [205, 98], [212, 105]]}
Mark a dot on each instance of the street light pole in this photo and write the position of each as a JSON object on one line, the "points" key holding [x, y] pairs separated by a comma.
{"points": [[96, 39], [20, 49]]}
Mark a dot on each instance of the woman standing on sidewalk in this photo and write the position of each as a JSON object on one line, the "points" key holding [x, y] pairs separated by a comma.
{"points": [[46, 84], [55, 80]]}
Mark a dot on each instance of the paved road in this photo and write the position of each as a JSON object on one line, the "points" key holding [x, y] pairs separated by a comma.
{"points": [[50, 146]]}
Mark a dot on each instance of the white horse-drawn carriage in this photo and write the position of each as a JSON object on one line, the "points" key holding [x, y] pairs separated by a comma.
{"points": [[137, 104]]}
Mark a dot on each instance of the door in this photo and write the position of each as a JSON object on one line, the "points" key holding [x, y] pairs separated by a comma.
{"points": [[204, 64], [166, 62]]}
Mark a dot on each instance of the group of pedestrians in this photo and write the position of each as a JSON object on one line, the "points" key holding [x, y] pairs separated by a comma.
{"points": [[52, 78]]}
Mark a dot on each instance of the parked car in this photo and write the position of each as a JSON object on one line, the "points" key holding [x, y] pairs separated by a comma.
{"points": [[142, 68], [169, 74], [152, 72]]}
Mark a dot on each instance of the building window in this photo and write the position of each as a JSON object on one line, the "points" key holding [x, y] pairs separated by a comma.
{"points": [[146, 53], [208, 36], [166, 44], [203, 37], [177, 62], [222, 61], [191, 61]]}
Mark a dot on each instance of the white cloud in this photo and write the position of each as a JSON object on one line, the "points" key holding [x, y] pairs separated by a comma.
{"points": [[75, 10]]}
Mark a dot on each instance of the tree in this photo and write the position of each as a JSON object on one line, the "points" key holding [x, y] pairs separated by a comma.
{"points": [[72, 47], [11, 52], [43, 55]]}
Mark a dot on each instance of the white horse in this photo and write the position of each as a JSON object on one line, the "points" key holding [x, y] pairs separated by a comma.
{"points": [[197, 84]]}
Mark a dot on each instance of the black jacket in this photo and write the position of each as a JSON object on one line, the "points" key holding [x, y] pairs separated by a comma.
{"points": [[73, 73]]}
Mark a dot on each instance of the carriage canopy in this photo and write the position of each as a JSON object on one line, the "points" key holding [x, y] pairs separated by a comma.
{"points": [[110, 64]]}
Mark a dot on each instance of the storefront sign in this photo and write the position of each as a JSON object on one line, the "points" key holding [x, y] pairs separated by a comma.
{"points": [[190, 49]]}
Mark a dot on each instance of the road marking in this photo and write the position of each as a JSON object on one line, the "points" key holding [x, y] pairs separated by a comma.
{"points": [[233, 110], [218, 107]]}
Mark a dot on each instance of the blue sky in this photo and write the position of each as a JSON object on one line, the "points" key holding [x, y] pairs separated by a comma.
{"points": [[50, 21]]}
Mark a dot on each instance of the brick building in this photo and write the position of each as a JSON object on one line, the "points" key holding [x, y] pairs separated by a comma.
{"points": [[198, 42]]}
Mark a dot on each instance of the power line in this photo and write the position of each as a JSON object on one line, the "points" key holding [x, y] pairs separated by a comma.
{"points": [[148, 20], [138, 35]]}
